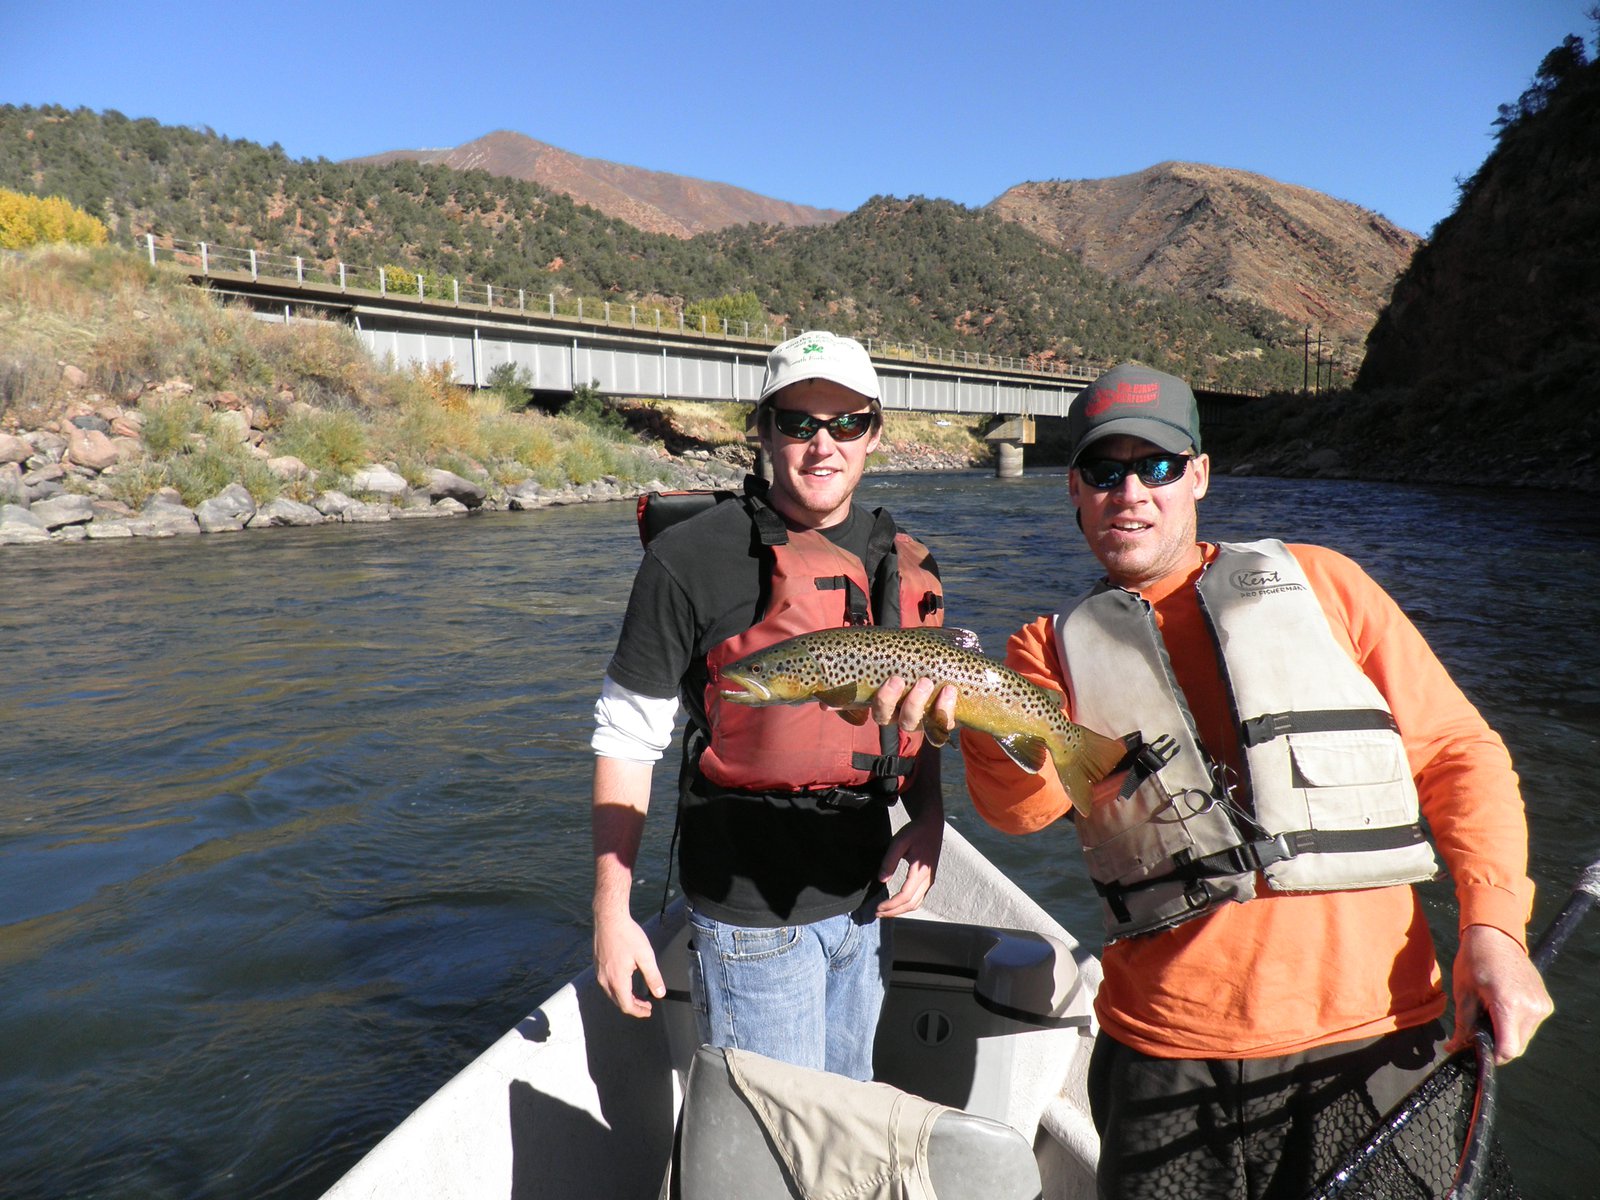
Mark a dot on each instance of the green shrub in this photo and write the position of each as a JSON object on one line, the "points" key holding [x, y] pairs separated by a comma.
{"points": [[135, 483], [169, 423], [334, 442], [200, 475], [737, 309], [589, 407]]}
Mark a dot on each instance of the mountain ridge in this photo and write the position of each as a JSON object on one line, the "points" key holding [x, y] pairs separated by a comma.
{"points": [[1229, 237], [654, 201], [1279, 257]]}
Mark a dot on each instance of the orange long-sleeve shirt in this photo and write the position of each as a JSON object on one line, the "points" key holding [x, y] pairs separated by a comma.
{"points": [[1288, 971]]}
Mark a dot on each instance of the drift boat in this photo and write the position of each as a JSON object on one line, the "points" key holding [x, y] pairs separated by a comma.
{"points": [[981, 1059]]}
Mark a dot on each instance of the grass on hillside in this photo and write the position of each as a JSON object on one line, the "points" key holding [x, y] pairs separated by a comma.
{"points": [[131, 328]]}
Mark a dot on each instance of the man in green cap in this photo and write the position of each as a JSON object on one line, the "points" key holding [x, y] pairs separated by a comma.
{"points": [[1271, 986]]}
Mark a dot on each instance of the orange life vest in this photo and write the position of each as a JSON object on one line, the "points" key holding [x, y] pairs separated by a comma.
{"points": [[814, 585]]}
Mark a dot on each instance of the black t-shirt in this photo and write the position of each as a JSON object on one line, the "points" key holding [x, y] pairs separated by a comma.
{"points": [[742, 859]]}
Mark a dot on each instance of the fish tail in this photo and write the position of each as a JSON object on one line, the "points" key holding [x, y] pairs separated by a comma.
{"points": [[1081, 767]]}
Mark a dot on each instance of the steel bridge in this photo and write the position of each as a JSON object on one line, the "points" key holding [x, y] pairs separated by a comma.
{"points": [[620, 348]]}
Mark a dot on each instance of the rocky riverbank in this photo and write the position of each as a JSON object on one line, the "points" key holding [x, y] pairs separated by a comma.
{"points": [[67, 481]]}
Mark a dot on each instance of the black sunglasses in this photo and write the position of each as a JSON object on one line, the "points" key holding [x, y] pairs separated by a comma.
{"points": [[1153, 470], [803, 426]]}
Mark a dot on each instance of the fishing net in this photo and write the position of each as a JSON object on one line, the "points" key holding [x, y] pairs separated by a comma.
{"points": [[1439, 1141], [1437, 1144]]}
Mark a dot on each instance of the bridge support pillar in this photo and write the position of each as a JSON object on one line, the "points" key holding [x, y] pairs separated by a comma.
{"points": [[1008, 460], [752, 438], [1009, 435]]}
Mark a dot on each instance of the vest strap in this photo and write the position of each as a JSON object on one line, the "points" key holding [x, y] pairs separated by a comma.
{"points": [[855, 600], [883, 766], [1263, 852], [1143, 760], [1326, 720]]}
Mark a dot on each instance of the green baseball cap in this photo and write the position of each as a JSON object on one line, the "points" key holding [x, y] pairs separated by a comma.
{"points": [[1139, 402]]}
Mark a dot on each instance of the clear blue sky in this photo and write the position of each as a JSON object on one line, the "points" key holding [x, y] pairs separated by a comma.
{"points": [[1384, 103]]}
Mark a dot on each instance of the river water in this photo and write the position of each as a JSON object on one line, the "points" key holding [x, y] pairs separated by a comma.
{"points": [[293, 823]]}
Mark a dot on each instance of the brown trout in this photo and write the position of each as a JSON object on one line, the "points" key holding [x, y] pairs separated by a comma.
{"points": [[845, 667]]}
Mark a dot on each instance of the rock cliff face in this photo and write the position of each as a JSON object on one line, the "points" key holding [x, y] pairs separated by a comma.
{"points": [[1509, 288], [1220, 236], [655, 201]]}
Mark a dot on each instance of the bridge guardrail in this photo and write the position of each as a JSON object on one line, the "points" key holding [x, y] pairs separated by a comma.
{"points": [[209, 258]]}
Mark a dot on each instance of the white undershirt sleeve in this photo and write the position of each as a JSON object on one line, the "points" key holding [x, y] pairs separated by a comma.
{"points": [[632, 726]]}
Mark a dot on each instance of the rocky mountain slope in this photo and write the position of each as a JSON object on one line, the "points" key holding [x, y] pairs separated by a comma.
{"points": [[1227, 238], [926, 271], [655, 201], [1515, 269], [1484, 368]]}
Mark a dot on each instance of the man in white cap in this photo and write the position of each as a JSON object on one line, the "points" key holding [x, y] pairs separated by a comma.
{"points": [[786, 842]]}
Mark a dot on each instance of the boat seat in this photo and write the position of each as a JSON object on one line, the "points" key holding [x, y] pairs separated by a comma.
{"points": [[763, 1130]]}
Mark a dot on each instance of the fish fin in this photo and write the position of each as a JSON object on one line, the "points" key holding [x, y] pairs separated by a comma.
{"points": [[961, 639], [843, 696], [936, 735], [1027, 751], [1079, 770]]}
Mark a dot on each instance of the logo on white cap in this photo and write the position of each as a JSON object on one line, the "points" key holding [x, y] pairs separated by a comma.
{"points": [[818, 354]]}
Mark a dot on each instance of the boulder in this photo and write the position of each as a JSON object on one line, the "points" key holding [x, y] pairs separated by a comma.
{"points": [[88, 420], [284, 511], [231, 425], [18, 526], [524, 495], [63, 510], [333, 505], [89, 447], [361, 513], [74, 377], [162, 518], [442, 484], [227, 511], [14, 449], [46, 445], [12, 489], [287, 466], [378, 480], [129, 425], [112, 510]]}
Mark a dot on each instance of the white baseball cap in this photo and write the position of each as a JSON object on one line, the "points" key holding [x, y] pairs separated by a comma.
{"points": [[820, 355]]}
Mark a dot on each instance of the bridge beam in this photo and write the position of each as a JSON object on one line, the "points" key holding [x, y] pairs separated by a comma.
{"points": [[561, 353]]}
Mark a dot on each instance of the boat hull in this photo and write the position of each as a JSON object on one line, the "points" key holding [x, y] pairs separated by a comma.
{"points": [[578, 1100]]}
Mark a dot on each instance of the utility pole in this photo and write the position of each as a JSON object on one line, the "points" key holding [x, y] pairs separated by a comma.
{"points": [[1305, 370]]}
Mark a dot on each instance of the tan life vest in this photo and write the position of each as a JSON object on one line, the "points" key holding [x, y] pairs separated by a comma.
{"points": [[1328, 802]]}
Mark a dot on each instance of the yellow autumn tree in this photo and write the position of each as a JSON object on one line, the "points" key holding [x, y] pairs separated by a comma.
{"points": [[31, 220]]}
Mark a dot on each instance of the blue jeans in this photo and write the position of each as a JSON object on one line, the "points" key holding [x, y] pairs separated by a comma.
{"points": [[803, 994]]}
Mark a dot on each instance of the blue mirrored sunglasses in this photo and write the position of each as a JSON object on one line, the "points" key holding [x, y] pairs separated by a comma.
{"points": [[803, 426], [1153, 470]]}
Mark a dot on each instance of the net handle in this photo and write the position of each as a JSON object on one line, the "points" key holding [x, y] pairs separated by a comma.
{"points": [[1470, 1176]]}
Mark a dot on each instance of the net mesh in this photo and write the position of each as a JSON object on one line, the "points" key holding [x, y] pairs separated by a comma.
{"points": [[1419, 1159]]}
